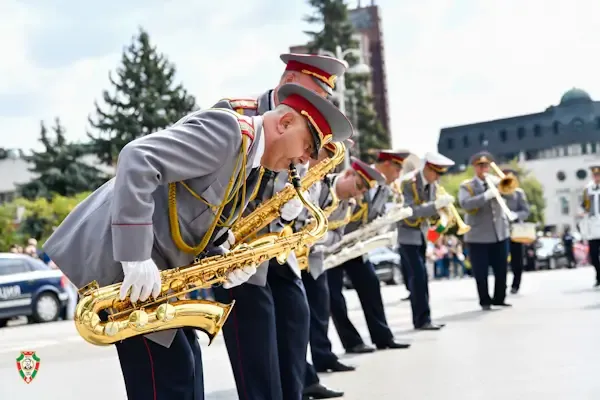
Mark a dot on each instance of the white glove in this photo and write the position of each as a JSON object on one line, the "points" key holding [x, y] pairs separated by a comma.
{"points": [[490, 193], [443, 201], [230, 241], [290, 210], [239, 276], [513, 216], [318, 248], [143, 278]]}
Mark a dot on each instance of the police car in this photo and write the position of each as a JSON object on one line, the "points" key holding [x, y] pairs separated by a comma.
{"points": [[29, 287]]}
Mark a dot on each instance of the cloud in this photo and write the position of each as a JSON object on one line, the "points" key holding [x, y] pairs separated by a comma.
{"points": [[448, 62]]}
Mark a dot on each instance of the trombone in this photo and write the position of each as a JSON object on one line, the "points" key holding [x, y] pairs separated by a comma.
{"points": [[506, 184]]}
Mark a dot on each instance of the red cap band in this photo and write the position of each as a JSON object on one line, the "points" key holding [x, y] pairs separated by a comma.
{"points": [[318, 73], [310, 112]]}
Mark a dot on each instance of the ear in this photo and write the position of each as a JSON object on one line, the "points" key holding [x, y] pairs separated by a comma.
{"points": [[285, 120], [290, 77]]}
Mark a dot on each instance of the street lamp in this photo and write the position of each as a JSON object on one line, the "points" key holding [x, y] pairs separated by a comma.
{"points": [[340, 88]]}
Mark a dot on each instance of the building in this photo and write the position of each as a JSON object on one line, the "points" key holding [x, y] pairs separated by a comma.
{"points": [[557, 146], [14, 171], [367, 22]]}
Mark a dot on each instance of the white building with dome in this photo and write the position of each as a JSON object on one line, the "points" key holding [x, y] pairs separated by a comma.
{"points": [[557, 145]]}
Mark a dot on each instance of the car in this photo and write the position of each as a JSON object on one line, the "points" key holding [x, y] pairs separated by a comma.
{"points": [[550, 253], [30, 288], [387, 266]]}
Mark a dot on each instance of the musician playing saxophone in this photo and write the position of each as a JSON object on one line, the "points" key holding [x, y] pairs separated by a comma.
{"points": [[517, 203], [128, 229], [488, 238], [362, 273], [267, 334], [419, 192]]}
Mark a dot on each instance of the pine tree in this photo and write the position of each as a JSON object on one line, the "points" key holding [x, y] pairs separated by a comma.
{"points": [[337, 30], [59, 167], [145, 99]]}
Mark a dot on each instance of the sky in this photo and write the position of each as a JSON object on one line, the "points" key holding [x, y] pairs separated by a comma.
{"points": [[448, 62]]}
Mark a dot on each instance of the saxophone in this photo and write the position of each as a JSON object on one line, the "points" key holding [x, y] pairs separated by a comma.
{"points": [[171, 309], [371, 236], [268, 210], [337, 158]]}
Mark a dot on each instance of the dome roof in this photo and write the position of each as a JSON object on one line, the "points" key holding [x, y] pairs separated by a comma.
{"points": [[575, 96]]}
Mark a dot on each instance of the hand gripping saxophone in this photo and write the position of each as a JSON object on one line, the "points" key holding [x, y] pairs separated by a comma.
{"points": [[171, 309], [373, 235]]}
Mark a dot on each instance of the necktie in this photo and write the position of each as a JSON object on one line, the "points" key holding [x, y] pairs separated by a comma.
{"points": [[267, 176], [427, 192], [485, 185]]}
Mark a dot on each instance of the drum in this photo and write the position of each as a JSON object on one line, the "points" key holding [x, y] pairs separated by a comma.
{"points": [[523, 232]]}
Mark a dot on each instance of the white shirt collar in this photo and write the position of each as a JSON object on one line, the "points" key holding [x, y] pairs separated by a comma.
{"points": [[272, 100], [260, 143]]}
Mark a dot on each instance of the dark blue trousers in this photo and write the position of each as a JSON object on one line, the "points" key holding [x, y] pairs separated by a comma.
{"points": [[267, 336], [154, 372], [367, 286], [317, 293], [413, 256], [484, 255]]}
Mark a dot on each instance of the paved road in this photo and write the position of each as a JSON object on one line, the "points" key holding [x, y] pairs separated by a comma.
{"points": [[546, 347]]}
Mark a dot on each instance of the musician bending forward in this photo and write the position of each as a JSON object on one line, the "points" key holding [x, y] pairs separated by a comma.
{"points": [[268, 330], [125, 232], [517, 203], [347, 185], [487, 239], [419, 191], [362, 273]]}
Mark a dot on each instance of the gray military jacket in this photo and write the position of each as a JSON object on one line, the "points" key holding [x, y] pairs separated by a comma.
{"points": [[256, 107], [413, 230], [375, 198], [127, 219], [316, 258], [517, 202], [488, 223]]}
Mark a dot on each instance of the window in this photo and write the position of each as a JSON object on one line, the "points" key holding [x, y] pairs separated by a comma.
{"points": [[503, 136], [584, 148], [466, 141], [560, 175], [521, 133], [577, 125], [593, 148], [537, 130], [450, 144], [556, 127], [482, 139], [597, 122], [564, 205], [581, 174], [9, 266]]}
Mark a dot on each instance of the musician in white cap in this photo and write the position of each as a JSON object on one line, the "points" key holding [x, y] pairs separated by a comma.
{"points": [[591, 208], [419, 189]]}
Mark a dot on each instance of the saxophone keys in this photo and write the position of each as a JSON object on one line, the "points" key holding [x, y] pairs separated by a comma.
{"points": [[138, 319], [165, 312], [111, 328]]}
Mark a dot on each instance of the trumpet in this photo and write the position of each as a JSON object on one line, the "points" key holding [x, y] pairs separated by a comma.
{"points": [[449, 217]]}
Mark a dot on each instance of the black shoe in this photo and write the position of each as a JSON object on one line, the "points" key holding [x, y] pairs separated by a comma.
{"points": [[431, 327], [392, 344], [360, 349], [514, 290], [318, 391], [486, 307], [335, 367], [503, 304]]}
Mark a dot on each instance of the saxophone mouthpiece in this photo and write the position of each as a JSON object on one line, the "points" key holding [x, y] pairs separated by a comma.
{"points": [[295, 178]]}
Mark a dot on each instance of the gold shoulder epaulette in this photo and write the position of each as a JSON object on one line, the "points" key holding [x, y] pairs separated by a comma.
{"points": [[244, 104], [465, 181]]}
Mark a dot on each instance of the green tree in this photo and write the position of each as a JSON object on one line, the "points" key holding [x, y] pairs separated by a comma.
{"points": [[60, 168], [528, 182], [144, 99], [335, 29]]}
